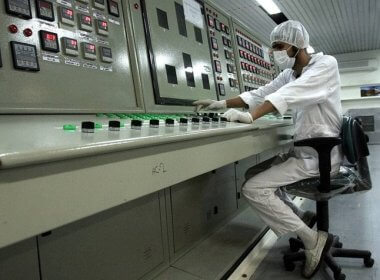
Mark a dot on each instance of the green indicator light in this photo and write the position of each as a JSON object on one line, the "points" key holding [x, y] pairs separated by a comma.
{"points": [[122, 124], [100, 115], [98, 125], [69, 127]]}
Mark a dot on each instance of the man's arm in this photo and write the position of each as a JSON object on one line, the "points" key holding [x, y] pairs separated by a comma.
{"points": [[262, 110], [236, 102]]}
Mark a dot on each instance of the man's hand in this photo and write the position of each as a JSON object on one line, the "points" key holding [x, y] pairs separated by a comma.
{"points": [[233, 115], [208, 104]]}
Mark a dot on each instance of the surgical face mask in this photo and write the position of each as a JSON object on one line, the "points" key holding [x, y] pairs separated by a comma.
{"points": [[283, 60]]}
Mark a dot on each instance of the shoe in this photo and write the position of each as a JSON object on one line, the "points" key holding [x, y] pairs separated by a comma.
{"points": [[315, 256], [309, 218]]}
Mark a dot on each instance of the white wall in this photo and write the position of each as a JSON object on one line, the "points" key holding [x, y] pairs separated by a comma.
{"points": [[352, 81]]}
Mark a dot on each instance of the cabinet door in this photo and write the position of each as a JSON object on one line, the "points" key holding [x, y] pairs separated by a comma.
{"points": [[125, 242], [20, 261]]}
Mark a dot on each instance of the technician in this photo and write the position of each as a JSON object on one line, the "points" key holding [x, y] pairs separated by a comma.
{"points": [[310, 86]]}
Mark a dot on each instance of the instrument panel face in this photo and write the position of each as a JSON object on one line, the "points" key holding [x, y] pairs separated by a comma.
{"points": [[65, 56], [179, 53], [254, 63], [222, 53]]}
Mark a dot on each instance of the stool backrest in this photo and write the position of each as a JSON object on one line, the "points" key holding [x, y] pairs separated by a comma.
{"points": [[354, 140]]}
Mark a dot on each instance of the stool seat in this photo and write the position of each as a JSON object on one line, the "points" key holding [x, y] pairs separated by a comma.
{"points": [[345, 181]]}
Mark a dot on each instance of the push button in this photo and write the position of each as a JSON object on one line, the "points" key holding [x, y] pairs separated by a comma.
{"points": [[136, 124], [114, 125], [69, 127], [195, 120], [88, 127], [206, 120], [169, 122], [154, 123], [183, 121]]}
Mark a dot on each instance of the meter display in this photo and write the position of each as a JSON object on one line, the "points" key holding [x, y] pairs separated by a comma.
{"points": [[19, 8], [89, 51], [217, 25], [113, 8], [218, 66], [105, 54], [214, 43], [227, 30], [230, 68], [67, 15], [102, 27], [225, 41], [24, 56], [99, 4], [210, 21], [227, 54], [70, 46], [222, 90], [85, 22], [45, 10], [49, 41]]}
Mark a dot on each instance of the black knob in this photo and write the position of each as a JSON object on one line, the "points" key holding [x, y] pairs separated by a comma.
{"points": [[169, 122], [183, 121], [154, 123], [195, 120], [88, 127], [222, 119], [136, 124], [211, 115], [114, 125], [215, 119], [206, 119]]}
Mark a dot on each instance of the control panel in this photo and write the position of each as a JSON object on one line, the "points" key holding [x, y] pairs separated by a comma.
{"points": [[253, 62], [222, 53], [65, 56], [179, 54]]}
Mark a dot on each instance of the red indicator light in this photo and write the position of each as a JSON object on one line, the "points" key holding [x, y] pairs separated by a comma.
{"points": [[104, 24], [50, 37], [73, 42], [91, 47], [28, 32], [13, 28], [87, 19]]}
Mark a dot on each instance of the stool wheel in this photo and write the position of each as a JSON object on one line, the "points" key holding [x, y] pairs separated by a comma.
{"points": [[294, 245], [339, 276], [289, 265], [368, 262]]}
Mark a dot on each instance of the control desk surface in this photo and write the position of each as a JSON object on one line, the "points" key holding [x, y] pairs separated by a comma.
{"points": [[38, 139]]}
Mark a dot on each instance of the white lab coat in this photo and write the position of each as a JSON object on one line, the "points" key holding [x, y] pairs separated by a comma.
{"points": [[315, 100]]}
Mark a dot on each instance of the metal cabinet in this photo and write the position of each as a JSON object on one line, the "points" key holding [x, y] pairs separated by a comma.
{"points": [[20, 261], [199, 205], [125, 242]]}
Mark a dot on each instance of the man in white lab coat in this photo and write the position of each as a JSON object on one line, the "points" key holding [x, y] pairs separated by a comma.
{"points": [[310, 85]]}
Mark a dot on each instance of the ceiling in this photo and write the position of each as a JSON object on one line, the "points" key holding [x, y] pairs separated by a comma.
{"points": [[335, 26]]}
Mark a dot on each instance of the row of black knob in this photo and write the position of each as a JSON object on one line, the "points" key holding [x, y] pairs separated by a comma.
{"points": [[88, 126]]}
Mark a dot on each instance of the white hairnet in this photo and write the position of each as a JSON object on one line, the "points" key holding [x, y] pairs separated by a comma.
{"points": [[291, 32]]}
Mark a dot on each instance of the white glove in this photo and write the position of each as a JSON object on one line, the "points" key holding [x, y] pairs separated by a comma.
{"points": [[208, 104], [233, 115]]}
